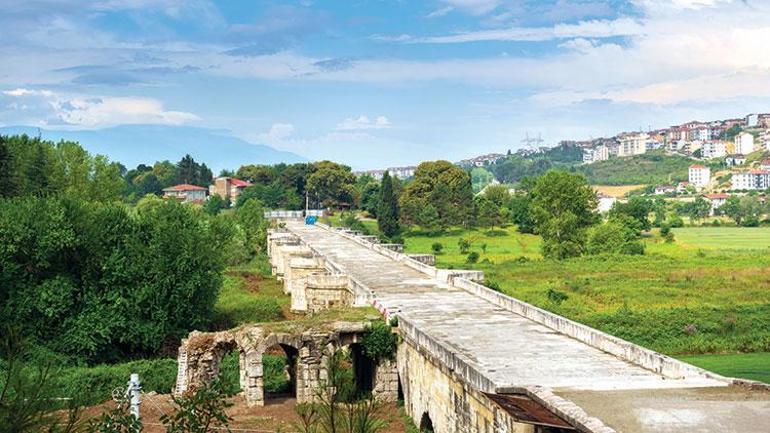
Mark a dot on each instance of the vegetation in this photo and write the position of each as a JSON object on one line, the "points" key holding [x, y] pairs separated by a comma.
{"points": [[653, 168], [747, 365], [439, 196], [387, 211]]}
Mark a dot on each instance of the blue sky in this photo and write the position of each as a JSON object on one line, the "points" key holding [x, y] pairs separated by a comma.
{"points": [[376, 83]]}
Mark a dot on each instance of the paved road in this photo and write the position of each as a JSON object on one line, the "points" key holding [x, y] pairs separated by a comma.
{"points": [[511, 350]]}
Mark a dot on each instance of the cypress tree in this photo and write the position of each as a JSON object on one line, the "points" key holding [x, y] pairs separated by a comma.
{"points": [[387, 212]]}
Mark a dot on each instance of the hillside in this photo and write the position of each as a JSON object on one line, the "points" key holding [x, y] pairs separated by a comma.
{"points": [[653, 168]]}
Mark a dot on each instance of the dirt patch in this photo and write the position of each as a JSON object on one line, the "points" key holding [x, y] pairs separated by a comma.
{"points": [[278, 413]]}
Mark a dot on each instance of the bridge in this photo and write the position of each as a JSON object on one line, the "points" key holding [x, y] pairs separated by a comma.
{"points": [[475, 360]]}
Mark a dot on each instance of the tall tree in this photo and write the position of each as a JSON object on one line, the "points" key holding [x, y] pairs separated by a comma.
{"points": [[331, 184], [444, 186], [8, 185], [563, 207], [387, 213]]}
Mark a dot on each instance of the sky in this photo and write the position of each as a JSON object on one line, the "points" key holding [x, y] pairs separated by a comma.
{"points": [[379, 83]]}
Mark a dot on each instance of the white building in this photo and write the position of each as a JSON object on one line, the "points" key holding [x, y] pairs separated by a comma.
{"points": [[744, 143], [402, 172], [716, 200], [765, 139], [605, 202], [733, 160], [755, 179], [633, 144], [699, 175], [702, 133], [598, 153], [714, 149], [186, 192]]}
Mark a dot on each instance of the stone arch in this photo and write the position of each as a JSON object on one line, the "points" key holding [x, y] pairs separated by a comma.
{"points": [[426, 424], [364, 369]]}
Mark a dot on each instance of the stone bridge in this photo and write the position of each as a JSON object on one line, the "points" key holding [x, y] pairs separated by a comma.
{"points": [[475, 360]]}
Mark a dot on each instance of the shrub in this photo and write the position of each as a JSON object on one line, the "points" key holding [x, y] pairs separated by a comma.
{"points": [[379, 341], [494, 285], [437, 247], [464, 245], [473, 257], [556, 296]]}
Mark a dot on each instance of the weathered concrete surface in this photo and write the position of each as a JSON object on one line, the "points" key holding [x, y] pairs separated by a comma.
{"points": [[498, 350]]}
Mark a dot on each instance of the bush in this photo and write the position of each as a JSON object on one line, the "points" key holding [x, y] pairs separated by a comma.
{"points": [[379, 341], [676, 222], [556, 296], [473, 257], [464, 245], [437, 247], [494, 285]]}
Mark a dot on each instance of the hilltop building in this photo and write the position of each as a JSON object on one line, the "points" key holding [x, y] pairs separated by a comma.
{"points": [[699, 176], [744, 143], [714, 149], [229, 188], [186, 193], [599, 153], [633, 144], [733, 160]]}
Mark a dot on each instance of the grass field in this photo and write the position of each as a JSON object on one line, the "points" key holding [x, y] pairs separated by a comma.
{"points": [[616, 191], [724, 238], [755, 366]]}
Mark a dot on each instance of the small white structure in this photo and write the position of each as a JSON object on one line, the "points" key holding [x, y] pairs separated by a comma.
{"points": [[744, 143], [716, 200], [733, 160], [598, 153], [605, 202], [664, 189], [699, 176]]}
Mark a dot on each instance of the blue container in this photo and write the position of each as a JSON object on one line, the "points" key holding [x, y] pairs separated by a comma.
{"points": [[310, 220]]}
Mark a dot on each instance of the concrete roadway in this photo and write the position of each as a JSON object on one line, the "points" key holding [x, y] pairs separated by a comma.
{"points": [[513, 351]]}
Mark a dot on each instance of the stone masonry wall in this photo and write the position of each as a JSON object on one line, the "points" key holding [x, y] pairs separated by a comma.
{"points": [[452, 406]]}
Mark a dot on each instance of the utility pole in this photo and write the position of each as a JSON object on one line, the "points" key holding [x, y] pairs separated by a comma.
{"points": [[307, 202]]}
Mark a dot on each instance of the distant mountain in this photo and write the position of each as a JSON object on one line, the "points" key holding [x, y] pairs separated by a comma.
{"points": [[136, 144]]}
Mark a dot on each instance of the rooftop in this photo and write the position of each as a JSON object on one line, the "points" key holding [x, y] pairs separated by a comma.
{"points": [[184, 187]]}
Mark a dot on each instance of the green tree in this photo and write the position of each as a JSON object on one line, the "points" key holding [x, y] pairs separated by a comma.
{"points": [[257, 174], [563, 208], [487, 212], [613, 237], [638, 208], [8, 187], [387, 213], [442, 185], [191, 172], [331, 184], [520, 205], [215, 204], [498, 194], [251, 217]]}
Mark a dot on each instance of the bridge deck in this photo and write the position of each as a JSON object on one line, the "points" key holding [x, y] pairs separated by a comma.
{"points": [[513, 351]]}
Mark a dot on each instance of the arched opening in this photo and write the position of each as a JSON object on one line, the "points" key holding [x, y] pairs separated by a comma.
{"points": [[363, 370], [279, 370], [230, 361], [426, 424]]}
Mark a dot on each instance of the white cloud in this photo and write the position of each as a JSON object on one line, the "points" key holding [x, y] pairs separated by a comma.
{"points": [[584, 29], [474, 7], [363, 122], [44, 107], [278, 132]]}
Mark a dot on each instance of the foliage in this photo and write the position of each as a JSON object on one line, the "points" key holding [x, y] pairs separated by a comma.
{"points": [[464, 245], [251, 217], [514, 168], [520, 205], [379, 341], [367, 192], [638, 208], [498, 194], [696, 209], [436, 247], [473, 257], [480, 178], [387, 211], [103, 282], [613, 237], [653, 168], [215, 204], [562, 208], [200, 412], [443, 188], [190, 172], [331, 183], [27, 402], [743, 209], [487, 212], [116, 420], [31, 166], [273, 196]]}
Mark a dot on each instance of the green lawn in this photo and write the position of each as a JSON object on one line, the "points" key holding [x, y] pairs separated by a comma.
{"points": [[677, 298], [755, 366], [755, 238]]}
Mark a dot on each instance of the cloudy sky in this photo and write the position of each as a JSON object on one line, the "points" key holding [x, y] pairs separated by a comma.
{"points": [[375, 83]]}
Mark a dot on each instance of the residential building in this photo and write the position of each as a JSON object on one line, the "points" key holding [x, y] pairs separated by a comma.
{"points": [[752, 120], [375, 174], [716, 200], [714, 149], [765, 165], [482, 160], [664, 189], [733, 160], [754, 179], [702, 133], [699, 175], [765, 139], [598, 153], [186, 192], [681, 187], [229, 188], [744, 143], [403, 172], [633, 144]]}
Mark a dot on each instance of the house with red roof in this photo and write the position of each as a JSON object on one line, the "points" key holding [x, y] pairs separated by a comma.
{"points": [[186, 192], [716, 200], [229, 188]]}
